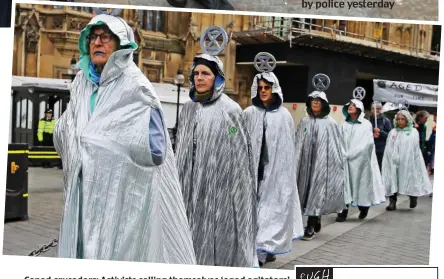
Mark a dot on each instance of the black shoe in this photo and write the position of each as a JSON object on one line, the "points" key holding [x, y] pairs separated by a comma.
{"points": [[270, 258], [392, 205], [318, 226], [261, 264], [413, 202], [363, 212], [342, 217], [178, 3], [308, 234]]}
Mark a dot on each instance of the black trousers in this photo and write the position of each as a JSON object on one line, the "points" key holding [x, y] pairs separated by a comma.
{"points": [[379, 156]]}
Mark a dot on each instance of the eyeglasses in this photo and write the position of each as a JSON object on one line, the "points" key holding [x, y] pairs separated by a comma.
{"points": [[104, 38], [266, 87], [316, 102]]}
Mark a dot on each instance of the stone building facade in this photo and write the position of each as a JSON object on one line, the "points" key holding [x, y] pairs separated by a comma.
{"points": [[46, 39]]}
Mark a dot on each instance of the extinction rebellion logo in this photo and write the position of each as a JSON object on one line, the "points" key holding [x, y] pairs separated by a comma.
{"points": [[233, 130]]}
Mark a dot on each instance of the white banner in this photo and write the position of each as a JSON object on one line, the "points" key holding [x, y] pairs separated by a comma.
{"points": [[423, 95]]}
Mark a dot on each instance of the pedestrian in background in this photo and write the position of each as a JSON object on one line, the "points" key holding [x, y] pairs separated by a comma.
{"points": [[46, 129], [431, 150], [380, 131], [420, 125]]}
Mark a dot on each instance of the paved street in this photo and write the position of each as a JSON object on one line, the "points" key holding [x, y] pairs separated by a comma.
{"points": [[402, 9], [385, 238]]}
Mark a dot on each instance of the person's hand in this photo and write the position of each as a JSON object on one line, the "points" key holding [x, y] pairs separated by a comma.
{"points": [[376, 132], [416, 125]]}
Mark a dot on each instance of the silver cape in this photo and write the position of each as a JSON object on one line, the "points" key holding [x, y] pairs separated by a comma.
{"points": [[279, 210], [363, 182], [118, 204], [403, 168], [320, 163], [215, 170]]}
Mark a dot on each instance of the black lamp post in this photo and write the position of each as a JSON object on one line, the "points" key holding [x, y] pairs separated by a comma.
{"points": [[179, 80], [73, 70]]}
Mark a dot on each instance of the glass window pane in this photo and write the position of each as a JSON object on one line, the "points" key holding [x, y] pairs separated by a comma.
{"points": [[29, 114], [141, 14], [159, 21], [56, 114], [23, 114], [150, 23], [17, 116], [42, 109]]}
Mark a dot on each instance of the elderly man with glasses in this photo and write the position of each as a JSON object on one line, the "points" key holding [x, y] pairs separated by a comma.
{"points": [[380, 131]]}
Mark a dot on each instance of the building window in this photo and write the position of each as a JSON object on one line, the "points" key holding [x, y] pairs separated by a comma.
{"points": [[75, 8], [386, 32], [421, 40], [342, 25], [24, 114], [406, 39], [398, 37], [436, 39], [152, 20], [87, 9], [57, 7], [42, 108]]}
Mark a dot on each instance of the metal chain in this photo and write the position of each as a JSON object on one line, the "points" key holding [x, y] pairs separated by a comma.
{"points": [[37, 252]]}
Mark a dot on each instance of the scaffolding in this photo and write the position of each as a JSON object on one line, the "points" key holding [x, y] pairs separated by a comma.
{"points": [[300, 31]]}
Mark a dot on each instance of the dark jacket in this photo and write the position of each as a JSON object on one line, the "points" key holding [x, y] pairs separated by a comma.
{"points": [[422, 131], [385, 126], [431, 148]]}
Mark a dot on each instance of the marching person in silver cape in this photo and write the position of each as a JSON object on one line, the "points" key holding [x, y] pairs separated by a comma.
{"points": [[403, 168], [319, 163], [122, 194], [272, 130], [215, 169], [363, 182]]}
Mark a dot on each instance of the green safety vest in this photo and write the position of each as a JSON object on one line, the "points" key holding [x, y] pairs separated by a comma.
{"points": [[45, 126]]}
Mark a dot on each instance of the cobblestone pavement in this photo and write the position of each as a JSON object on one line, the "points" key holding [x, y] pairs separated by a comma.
{"points": [[400, 237], [45, 204], [402, 9]]}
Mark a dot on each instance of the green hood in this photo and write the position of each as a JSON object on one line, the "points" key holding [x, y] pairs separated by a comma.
{"points": [[359, 105], [118, 27], [409, 118]]}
